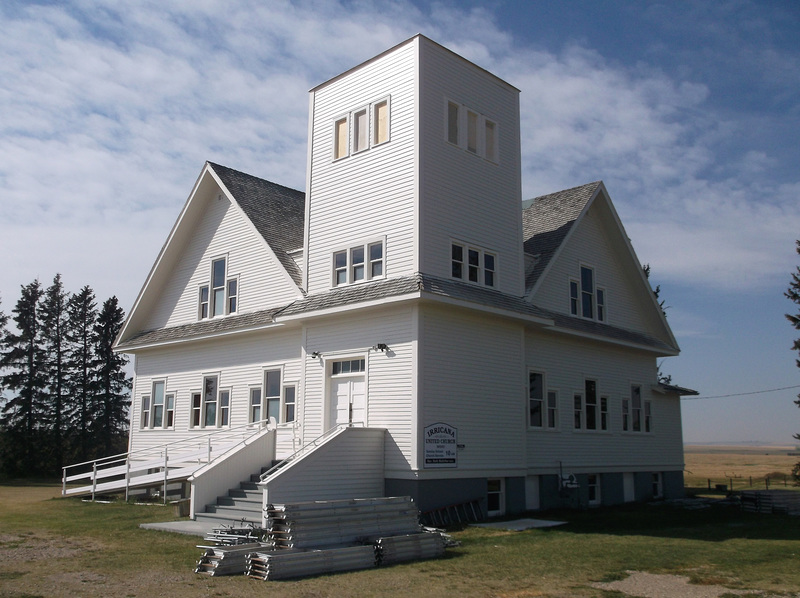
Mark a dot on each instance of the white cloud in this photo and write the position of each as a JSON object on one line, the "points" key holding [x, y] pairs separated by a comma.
{"points": [[108, 111]]}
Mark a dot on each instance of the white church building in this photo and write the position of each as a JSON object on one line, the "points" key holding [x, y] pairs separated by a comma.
{"points": [[405, 326]]}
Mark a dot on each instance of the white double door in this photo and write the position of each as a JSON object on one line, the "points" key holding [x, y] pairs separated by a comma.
{"points": [[348, 400]]}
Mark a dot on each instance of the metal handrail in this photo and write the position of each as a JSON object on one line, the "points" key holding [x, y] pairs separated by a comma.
{"points": [[324, 437], [167, 451]]}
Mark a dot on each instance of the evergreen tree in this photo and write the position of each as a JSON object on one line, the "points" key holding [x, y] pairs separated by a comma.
{"points": [[54, 322], [793, 293], [3, 322], [110, 422], [22, 361], [82, 387]]}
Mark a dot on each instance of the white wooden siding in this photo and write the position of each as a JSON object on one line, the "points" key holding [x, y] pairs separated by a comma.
{"points": [[471, 378], [566, 363], [222, 231], [388, 375], [596, 243], [349, 466], [462, 195], [369, 194], [239, 361]]}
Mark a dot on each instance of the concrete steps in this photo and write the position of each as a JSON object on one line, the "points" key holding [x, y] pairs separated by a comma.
{"points": [[242, 504]]}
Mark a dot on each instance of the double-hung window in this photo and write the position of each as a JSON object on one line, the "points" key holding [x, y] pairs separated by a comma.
{"points": [[145, 421], [471, 131], [211, 407], [158, 408], [351, 132], [473, 264], [255, 404], [542, 403], [289, 402], [358, 263], [272, 394], [590, 387], [577, 411], [221, 296], [636, 408], [585, 299]]}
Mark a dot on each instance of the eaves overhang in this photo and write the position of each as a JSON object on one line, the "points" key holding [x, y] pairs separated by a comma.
{"points": [[607, 333], [198, 331]]}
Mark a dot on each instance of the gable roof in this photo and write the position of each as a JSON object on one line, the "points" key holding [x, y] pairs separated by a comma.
{"points": [[277, 212], [547, 222]]}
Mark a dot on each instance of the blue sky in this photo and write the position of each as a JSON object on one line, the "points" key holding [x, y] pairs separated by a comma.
{"points": [[689, 111]]}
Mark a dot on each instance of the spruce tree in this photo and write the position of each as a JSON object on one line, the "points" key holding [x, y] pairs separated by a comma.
{"points": [[793, 293], [3, 322], [82, 387], [24, 379], [110, 422], [54, 323]]}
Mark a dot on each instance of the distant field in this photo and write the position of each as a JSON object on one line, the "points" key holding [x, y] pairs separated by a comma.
{"points": [[739, 464]]}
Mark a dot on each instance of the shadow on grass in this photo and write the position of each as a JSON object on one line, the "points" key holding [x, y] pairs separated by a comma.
{"points": [[716, 523]]}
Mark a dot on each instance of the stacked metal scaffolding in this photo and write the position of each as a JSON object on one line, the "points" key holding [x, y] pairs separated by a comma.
{"points": [[225, 560], [285, 564], [321, 524], [311, 538]]}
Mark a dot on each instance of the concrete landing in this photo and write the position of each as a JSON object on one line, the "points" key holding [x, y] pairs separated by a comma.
{"points": [[185, 526]]}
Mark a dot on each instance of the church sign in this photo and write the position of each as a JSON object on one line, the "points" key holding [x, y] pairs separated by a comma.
{"points": [[441, 446]]}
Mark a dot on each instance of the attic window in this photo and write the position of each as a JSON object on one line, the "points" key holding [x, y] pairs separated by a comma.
{"points": [[585, 299], [221, 296]]}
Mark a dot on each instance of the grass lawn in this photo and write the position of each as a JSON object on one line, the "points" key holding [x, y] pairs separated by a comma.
{"points": [[64, 547]]}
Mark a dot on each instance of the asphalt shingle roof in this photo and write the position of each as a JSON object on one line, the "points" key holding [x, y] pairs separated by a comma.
{"points": [[277, 212], [201, 328], [546, 223]]}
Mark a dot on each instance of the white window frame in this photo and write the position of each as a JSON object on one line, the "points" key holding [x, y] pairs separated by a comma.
{"points": [[474, 133], [144, 420], [482, 270], [597, 296], [221, 411], [357, 135], [252, 407], [548, 403], [594, 407], [374, 106], [647, 417], [593, 483], [276, 398], [501, 497], [604, 401], [626, 414], [353, 136], [207, 299], [658, 485], [591, 405], [367, 265], [578, 411], [636, 411], [289, 408], [337, 145], [149, 407]]}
